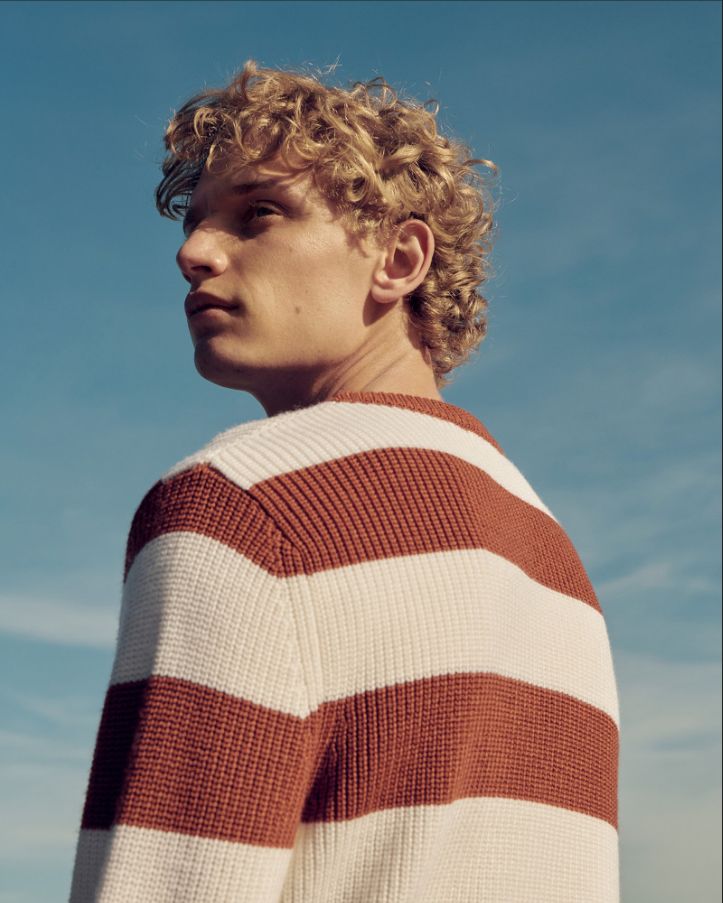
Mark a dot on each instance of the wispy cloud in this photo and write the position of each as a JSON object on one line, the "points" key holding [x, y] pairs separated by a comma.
{"points": [[667, 699], [42, 785], [23, 750], [58, 621], [670, 778], [69, 713], [655, 575], [13, 896], [42, 805]]}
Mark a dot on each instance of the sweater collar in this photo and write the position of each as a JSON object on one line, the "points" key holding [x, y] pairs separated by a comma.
{"points": [[424, 405]]}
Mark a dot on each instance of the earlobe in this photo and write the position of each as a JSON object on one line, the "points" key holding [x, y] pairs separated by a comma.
{"points": [[384, 288]]}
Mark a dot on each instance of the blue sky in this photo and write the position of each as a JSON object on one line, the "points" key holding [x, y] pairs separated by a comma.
{"points": [[600, 375]]}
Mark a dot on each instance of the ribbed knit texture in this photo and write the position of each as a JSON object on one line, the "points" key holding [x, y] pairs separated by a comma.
{"points": [[358, 661]]}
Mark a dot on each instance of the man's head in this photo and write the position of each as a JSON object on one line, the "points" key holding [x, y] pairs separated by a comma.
{"points": [[353, 264]]}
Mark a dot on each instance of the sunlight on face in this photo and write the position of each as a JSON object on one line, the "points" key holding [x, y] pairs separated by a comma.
{"points": [[293, 281]]}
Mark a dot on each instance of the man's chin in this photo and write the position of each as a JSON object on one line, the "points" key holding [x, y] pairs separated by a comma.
{"points": [[219, 369]]}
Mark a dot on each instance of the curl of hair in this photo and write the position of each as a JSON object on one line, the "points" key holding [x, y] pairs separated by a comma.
{"points": [[377, 158]]}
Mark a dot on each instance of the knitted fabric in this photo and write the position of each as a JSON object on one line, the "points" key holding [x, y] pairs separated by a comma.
{"points": [[358, 661]]}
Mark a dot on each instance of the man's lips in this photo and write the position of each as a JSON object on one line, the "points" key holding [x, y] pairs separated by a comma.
{"points": [[198, 301]]}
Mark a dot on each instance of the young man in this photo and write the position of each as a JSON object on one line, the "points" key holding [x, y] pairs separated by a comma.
{"points": [[358, 659]]}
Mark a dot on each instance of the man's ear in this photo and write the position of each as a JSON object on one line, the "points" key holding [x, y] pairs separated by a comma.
{"points": [[405, 262]]}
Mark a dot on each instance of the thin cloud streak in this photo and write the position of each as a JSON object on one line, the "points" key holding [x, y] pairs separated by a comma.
{"points": [[70, 713], [58, 621], [655, 575], [670, 778], [21, 750]]}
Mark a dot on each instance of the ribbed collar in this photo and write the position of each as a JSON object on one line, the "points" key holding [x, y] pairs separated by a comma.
{"points": [[432, 406]]}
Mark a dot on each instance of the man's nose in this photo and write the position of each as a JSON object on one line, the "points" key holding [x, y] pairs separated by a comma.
{"points": [[201, 256]]}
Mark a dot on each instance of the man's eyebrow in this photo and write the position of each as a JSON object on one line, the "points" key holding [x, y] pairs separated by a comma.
{"points": [[192, 214]]}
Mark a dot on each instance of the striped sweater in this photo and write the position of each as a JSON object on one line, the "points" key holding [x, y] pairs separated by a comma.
{"points": [[358, 661]]}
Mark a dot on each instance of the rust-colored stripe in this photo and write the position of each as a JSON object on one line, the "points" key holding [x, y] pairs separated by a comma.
{"points": [[380, 504], [202, 500], [176, 756], [409, 501], [439, 739], [443, 410]]}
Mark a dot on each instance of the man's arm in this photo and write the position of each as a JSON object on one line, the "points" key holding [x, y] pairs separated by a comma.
{"points": [[206, 747]]}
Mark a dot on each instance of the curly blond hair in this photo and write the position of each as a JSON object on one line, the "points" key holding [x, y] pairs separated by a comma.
{"points": [[377, 158]]}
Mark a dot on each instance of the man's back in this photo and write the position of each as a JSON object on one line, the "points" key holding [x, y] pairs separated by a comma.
{"points": [[358, 660]]}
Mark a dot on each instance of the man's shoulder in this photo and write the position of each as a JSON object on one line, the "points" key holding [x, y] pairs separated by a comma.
{"points": [[391, 432], [345, 443], [307, 477], [201, 495], [305, 438], [234, 436]]}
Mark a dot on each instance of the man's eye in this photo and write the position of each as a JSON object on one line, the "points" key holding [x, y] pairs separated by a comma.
{"points": [[256, 211]]}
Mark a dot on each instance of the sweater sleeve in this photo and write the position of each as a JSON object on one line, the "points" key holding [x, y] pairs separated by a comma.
{"points": [[206, 747]]}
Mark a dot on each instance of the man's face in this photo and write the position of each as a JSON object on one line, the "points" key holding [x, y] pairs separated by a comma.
{"points": [[295, 282]]}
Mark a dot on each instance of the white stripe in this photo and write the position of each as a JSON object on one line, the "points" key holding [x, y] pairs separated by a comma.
{"points": [[140, 865], [398, 619], [323, 432], [195, 609], [477, 850], [486, 850]]}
